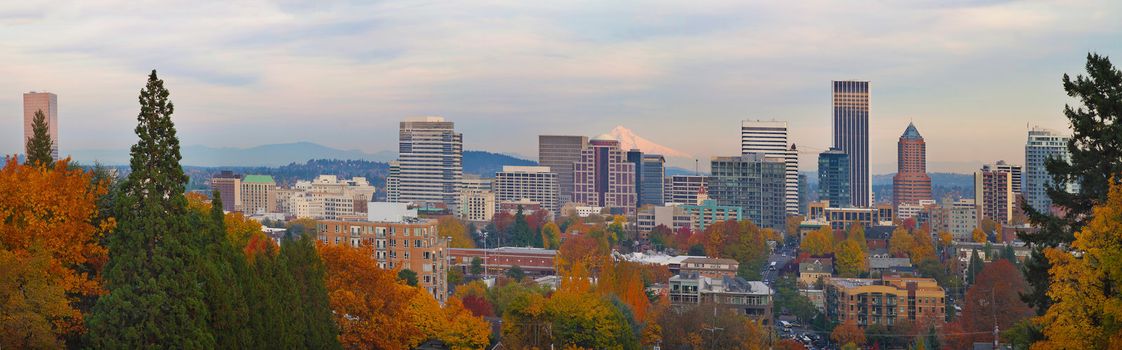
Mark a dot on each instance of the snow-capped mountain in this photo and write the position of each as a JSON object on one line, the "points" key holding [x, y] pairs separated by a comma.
{"points": [[629, 140]]}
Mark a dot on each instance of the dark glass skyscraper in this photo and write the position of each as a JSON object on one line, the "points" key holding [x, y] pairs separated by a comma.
{"points": [[650, 174], [851, 135], [833, 178], [755, 183]]}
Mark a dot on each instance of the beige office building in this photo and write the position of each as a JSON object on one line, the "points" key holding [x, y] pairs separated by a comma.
{"points": [[259, 194], [48, 103]]}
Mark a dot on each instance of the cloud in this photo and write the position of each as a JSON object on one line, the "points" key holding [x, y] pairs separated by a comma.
{"points": [[342, 73]]}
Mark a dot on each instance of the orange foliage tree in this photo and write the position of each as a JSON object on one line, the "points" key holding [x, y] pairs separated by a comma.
{"points": [[847, 333], [995, 297], [50, 237], [371, 307]]}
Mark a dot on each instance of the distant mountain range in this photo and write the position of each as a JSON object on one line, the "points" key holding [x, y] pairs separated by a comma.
{"points": [[486, 164], [265, 155]]}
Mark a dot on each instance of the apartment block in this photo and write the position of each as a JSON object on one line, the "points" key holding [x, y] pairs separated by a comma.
{"points": [[886, 301], [533, 183]]}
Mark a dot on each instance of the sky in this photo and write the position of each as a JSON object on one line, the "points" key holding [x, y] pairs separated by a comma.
{"points": [[970, 74]]}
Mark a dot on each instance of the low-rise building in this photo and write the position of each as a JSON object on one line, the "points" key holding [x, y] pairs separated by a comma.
{"points": [[749, 298], [708, 213], [477, 205], [883, 266], [710, 267], [404, 241], [495, 261], [817, 297], [841, 218], [885, 301], [671, 216], [814, 270]]}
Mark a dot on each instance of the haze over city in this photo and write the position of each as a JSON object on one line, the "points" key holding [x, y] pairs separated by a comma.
{"points": [[682, 75]]}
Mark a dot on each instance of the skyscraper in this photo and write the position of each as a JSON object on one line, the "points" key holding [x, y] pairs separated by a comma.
{"points": [[833, 178], [603, 177], [911, 183], [771, 139], [851, 135], [229, 187], [993, 194], [535, 183], [755, 183], [559, 153], [48, 103], [1042, 144], [430, 162], [650, 175], [1015, 171]]}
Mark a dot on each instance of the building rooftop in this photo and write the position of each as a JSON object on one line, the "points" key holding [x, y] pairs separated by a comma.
{"points": [[706, 260], [911, 133], [264, 179], [656, 259], [886, 263]]}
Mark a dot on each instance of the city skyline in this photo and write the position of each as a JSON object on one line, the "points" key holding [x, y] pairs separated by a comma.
{"points": [[577, 74]]}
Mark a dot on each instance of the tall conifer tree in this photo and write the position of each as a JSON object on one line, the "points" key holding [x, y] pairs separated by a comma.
{"points": [[39, 145], [154, 296]]}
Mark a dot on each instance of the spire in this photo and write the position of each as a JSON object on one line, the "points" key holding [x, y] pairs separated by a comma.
{"points": [[911, 133]]}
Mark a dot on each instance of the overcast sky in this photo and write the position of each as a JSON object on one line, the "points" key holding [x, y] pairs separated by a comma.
{"points": [[970, 74]]}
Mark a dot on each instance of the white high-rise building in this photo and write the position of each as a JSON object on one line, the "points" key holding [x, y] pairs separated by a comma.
{"points": [[771, 139], [429, 163], [1015, 171], [535, 183], [1042, 144]]}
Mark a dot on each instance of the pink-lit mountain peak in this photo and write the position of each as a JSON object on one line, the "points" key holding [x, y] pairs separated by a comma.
{"points": [[629, 140]]}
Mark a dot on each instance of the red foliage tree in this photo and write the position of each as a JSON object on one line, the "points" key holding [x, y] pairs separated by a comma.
{"points": [[993, 297]]}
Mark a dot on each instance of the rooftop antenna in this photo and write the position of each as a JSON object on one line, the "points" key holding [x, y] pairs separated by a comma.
{"points": [[696, 167]]}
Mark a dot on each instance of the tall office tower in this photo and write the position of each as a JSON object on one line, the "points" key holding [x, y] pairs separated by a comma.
{"points": [[993, 194], [603, 177], [684, 189], [911, 183], [851, 135], [650, 177], [229, 187], [393, 183], [535, 183], [754, 182], [804, 193], [259, 194], [430, 161], [559, 153], [1015, 171], [48, 103], [833, 178], [771, 139], [1041, 145]]}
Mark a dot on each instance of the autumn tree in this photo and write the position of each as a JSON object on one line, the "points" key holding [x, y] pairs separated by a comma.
{"points": [[695, 328], [50, 236], [370, 307], [900, 244], [850, 259], [922, 247], [978, 235], [1087, 306], [39, 145], [818, 242], [848, 333], [945, 239], [1094, 164], [449, 226], [153, 296], [551, 236], [995, 297], [856, 233]]}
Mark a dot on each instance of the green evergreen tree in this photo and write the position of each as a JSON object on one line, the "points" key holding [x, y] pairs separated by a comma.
{"points": [[408, 276], [220, 271], [154, 296], [1096, 160], [975, 266], [521, 235], [310, 274], [40, 144], [476, 266], [515, 272]]}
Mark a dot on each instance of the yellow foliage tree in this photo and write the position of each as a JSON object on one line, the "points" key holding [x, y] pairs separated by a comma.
{"points": [[449, 226], [979, 236], [1087, 306], [946, 238], [818, 242], [922, 247], [551, 236], [50, 234], [850, 259], [900, 245]]}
